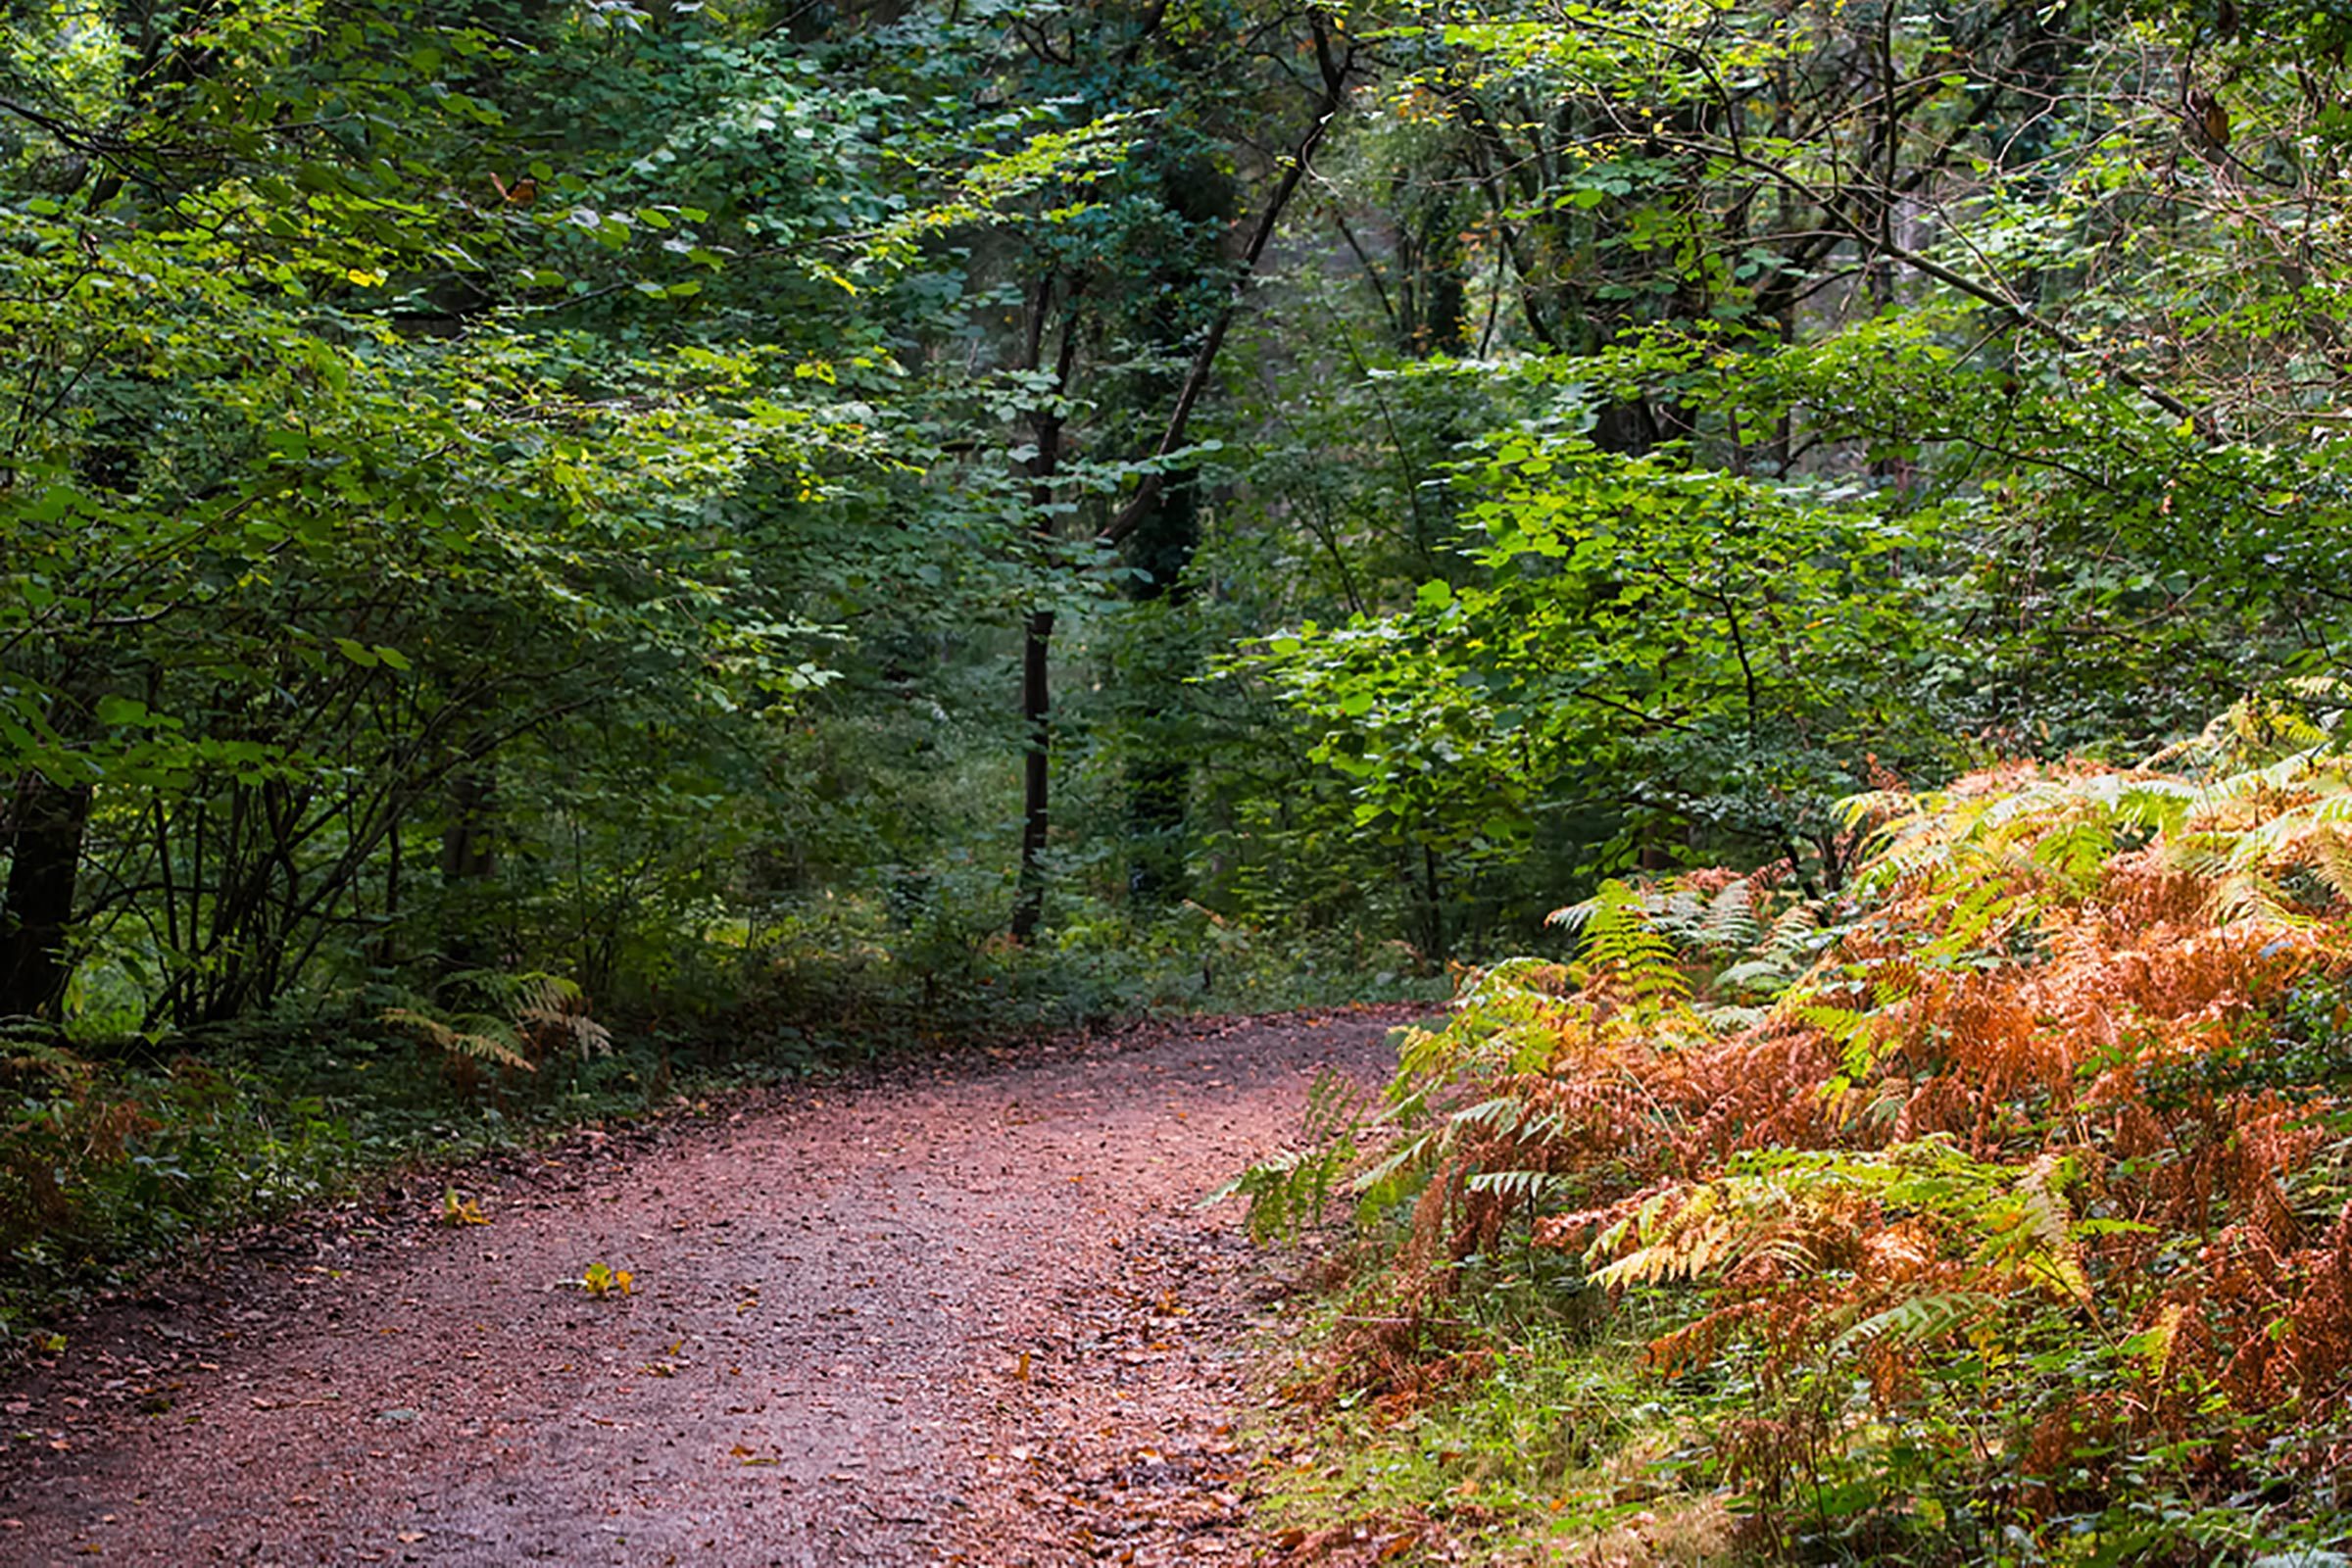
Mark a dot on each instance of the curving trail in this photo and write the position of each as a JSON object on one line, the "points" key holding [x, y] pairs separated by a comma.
{"points": [[973, 1317]]}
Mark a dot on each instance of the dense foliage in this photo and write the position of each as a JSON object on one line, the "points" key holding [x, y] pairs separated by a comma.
{"points": [[594, 490]]}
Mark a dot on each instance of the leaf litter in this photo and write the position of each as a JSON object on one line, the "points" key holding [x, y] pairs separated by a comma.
{"points": [[965, 1312]]}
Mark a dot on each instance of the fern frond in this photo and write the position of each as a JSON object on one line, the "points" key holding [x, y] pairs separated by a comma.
{"points": [[2256, 898], [476, 1035], [1286, 1191], [1413, 1154], [551, 1009], [1516, 1186], [1624, 951], [1920, 1320], [1730, 922], [2332, 859]]}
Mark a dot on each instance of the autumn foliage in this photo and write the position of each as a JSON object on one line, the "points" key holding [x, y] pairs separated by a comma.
{"points": [[2003, 1191]]}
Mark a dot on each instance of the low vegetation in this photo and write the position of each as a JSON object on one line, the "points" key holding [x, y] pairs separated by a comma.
{"points": [[1990, 1210]]}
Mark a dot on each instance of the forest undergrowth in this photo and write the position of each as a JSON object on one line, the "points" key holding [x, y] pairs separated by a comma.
{"points": [[1991, 1209]]}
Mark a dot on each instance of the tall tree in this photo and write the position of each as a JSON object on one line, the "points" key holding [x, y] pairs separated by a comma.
{"points": [[1125, 290]]}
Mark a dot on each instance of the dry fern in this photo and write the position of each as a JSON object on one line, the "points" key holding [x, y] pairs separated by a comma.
{"points": [[2031, 1070]]}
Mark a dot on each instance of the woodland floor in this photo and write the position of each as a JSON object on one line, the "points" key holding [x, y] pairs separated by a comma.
{"points": [[969, 1313]]}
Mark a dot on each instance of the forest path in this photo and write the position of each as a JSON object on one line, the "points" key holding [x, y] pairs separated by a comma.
{"points": [[974, 1316]]}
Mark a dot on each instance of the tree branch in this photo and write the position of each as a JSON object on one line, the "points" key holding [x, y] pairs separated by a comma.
{"points": [[1335, 71]]}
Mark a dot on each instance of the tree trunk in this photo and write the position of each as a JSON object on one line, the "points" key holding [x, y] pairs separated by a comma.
{"points": [[44, 846], [1036, 635], [1029, 908], [1159, 782], [468, 860], [1335, 58], [1201, 198]]}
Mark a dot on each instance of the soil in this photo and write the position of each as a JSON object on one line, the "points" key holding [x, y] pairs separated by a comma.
{"points": [[972, 1316]]}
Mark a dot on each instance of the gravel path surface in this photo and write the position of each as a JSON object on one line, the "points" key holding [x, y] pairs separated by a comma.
{"points": [[970, 1317]]}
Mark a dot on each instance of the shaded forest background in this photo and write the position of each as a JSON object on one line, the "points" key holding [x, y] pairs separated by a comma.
{"points": [[629, 495]]}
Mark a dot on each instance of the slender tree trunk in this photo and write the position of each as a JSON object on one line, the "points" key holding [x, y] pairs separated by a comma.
{"points": [[383, 948], [45, 837], [1159, 781], [1037, 642], [1202, 198], [1036, 635], [468, 860], [1433, 892]]}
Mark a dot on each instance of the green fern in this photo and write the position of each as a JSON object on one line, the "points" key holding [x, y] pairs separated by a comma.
{"points": [[1622, 948], [1289, 1191], [1286, 1192], [517, 1019], [1730, 924], [1778, 1204], [475, 1036], [1920, 1320]]}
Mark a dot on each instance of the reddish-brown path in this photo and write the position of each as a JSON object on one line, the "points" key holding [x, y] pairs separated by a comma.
{"points": [[975, 1317]]}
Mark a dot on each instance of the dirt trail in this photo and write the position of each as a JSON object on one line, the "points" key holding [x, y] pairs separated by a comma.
{"points": [[975, 1318]]}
